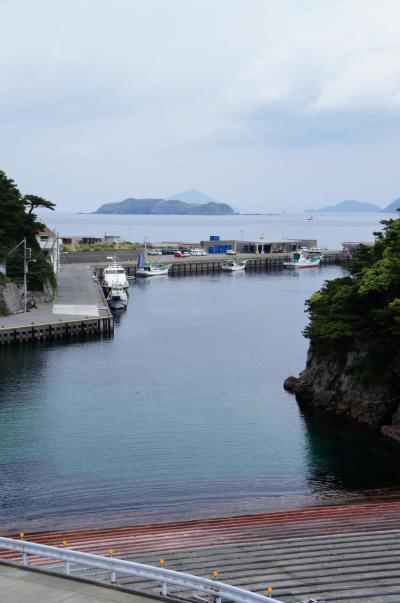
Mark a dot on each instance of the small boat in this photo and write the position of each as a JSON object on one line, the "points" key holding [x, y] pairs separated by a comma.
{"points": [[146, 269], [304, 258], [117, 297], [308, 218], [233, 265], [114, 276]]}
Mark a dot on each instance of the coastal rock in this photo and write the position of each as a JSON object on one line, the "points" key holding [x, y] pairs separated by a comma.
{"points": [[331, 385]]}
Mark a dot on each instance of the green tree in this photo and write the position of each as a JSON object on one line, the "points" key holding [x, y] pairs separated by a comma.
{"points": [[33, 202], [15, 224], [362, 310]]}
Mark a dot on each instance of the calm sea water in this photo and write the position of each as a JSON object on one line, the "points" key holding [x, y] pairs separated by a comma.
{"points": [[330, 229], [182, 414]]}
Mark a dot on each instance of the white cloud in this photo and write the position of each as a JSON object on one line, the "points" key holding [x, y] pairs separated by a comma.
{"points": [[343, 58]]}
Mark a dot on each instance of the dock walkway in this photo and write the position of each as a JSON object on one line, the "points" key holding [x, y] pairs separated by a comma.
{"points": [[79, 307]]}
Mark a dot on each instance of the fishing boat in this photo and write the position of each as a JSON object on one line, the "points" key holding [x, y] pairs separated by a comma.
{"points": [[117, 297], [309, 218], [114, 276], [233, 264], [304, 258], [145, 268]]}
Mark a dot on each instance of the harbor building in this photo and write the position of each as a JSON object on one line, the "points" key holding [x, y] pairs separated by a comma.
{"points": [[260, 246]]}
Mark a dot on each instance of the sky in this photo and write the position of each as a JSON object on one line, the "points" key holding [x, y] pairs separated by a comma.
{"points": [[262, 104]]}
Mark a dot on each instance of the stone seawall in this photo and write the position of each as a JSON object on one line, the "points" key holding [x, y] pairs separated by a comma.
{"points": [[11, 299]]}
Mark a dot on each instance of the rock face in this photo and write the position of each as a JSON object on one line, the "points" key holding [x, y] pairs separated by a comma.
{"points": [[11, 300], [330, 385]]}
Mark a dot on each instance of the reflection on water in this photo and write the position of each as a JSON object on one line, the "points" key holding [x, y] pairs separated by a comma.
{"points": [[346, 457], [181, 414]]}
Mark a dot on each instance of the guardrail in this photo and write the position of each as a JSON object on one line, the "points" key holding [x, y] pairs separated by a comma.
{"points": [[218, 590]]}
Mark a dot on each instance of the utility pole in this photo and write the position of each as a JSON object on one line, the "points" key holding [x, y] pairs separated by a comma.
{"points": [[25, 275]]}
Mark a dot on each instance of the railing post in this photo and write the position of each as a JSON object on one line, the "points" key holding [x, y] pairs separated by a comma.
{"points": [[164, 589], [113, 577], [67, 568], [24, 558]]}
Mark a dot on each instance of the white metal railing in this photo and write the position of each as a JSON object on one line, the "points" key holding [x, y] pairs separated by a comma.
{"points": [[217, 589]]}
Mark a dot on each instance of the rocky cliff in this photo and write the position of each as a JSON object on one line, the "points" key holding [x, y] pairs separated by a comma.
{"points": [[330, 384]]}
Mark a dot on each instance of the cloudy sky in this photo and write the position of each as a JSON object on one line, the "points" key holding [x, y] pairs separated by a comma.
{"points": [[264, 104]]}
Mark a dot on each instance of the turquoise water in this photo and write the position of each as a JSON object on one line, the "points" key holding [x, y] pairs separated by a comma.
{"points": [[182, 414]]}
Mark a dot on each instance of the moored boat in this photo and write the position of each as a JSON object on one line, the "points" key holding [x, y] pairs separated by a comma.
{"points": [[233, 264], [304, 258], [114, 276], [145, 268], [117, 297]]}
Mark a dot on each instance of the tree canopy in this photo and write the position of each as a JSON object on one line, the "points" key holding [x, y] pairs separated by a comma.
{"points": [[361, 311], [17, 223]]}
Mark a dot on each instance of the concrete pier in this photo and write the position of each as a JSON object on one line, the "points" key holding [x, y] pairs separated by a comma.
{"points": [[79, 308]]}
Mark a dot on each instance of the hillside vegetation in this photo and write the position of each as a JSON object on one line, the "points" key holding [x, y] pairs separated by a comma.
{"points": [[362, 310], [17, 220]]}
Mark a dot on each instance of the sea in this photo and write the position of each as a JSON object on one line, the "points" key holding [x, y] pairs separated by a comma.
{"points": [[182, 413], [329, 229]]}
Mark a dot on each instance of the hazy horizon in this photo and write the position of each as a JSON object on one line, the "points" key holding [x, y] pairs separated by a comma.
{"points": [[261, 105]]}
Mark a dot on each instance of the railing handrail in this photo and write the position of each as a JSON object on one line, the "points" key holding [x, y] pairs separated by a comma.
{"points": [[132, 568]]}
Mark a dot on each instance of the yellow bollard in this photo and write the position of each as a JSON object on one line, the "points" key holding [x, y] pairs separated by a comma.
{"points": [[269, 591], [162, 562], [111, 552], [21, 535], [65, 542], [215, 574]]}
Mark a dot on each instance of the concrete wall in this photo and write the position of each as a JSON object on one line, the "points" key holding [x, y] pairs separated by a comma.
{"points": [[11, 299]]}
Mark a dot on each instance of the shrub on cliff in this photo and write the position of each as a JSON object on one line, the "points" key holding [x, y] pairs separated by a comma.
{"points": [[361, 312]]}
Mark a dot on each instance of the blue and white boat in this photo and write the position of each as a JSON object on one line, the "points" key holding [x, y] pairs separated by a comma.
{"points": [[145, 268]]}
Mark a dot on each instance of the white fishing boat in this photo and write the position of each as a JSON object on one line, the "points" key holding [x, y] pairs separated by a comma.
{"points": [[309, 218], [117, 297], [145, 268], [304, 258], [233, 264], [114, 276]]}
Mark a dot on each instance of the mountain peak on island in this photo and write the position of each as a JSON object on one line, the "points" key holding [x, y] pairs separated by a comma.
{"points": [[193, 197], [350, 206]]}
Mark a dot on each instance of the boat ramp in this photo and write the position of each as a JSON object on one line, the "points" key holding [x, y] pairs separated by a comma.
{"points": [[338, 554]]}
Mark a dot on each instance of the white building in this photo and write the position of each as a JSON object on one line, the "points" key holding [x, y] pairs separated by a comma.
{"points": [[51, 245]]}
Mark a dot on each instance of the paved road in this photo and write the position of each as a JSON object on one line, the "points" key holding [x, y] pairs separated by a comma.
{"points": [[24, 586]]}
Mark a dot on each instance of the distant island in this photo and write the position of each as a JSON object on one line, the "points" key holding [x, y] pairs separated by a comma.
{"points": [[393, 206], [165, 207], [351, 206], [188, 202], [359, 206]]}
